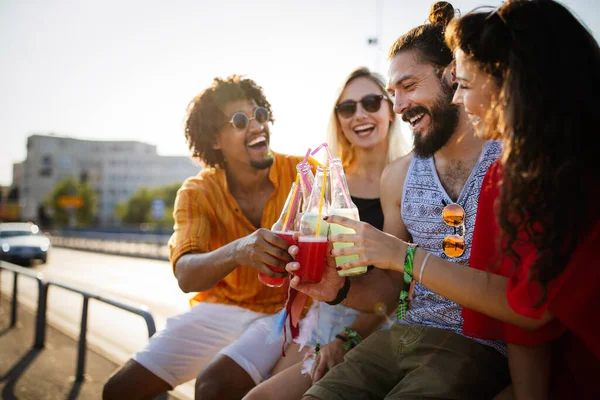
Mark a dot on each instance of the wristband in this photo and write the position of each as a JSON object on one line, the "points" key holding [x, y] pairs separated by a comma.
{"points": [[408, 271], [342, 338], [342, 293], [353, 338]]}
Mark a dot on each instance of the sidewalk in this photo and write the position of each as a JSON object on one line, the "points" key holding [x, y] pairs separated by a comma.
{"points": [[28, 373]]}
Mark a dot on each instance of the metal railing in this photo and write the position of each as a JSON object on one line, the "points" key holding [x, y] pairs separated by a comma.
{"points": [[87, 295], [40, 325], [40, 318], [147, 246]]}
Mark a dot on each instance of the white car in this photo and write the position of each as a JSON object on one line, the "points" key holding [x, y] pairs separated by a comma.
{"points": [[23, 242]]}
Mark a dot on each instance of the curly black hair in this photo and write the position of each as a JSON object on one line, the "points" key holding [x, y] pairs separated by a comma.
{"points": [[206, 118], [548, 65]]}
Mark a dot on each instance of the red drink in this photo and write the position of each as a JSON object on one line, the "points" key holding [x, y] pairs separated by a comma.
{"points": [[311, 257], [277, 282]]}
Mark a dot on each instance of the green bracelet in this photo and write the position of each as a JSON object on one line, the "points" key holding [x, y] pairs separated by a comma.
{"points": [[408, 272], [353, 338]]}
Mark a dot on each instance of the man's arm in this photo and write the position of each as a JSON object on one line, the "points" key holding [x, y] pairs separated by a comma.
{"points": [[196, 265], [201, 272], [259, 250], [392, 183], [379, 286]]}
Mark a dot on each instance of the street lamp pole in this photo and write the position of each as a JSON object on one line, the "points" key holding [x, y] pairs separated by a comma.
{"points": [[374, 40], [378, 23]]}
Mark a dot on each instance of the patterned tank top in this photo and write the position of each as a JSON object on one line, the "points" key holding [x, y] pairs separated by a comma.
{"points": [[423, 200]]}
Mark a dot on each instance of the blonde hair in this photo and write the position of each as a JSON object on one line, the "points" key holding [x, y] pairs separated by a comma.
{"points": [[337, 141]]}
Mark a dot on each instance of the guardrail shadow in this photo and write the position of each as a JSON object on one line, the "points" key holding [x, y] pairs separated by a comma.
{"points": [[40, 325], [74, 393], [5, 330], [13, 375]]}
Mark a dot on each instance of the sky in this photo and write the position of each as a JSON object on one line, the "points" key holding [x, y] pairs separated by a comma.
{"points": [[126, 70]]}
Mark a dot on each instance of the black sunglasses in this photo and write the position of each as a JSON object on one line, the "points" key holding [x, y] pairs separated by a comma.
{"points": [[240, 120], [370, 103]]}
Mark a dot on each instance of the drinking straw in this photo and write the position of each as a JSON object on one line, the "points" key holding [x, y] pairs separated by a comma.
{"points": [[304, 177], [321, 198], [295, 196], [306, 155], [324, 145]]}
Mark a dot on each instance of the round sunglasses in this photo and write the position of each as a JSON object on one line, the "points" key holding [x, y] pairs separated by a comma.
{"points": [[454, 216], [240, 120], [370, 103]]}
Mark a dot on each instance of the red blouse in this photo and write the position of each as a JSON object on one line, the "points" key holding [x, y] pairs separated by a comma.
{"points": [[573, 298]]}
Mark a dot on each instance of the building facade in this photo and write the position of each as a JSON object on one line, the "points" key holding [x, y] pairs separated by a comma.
{"points": [[114, 169]]}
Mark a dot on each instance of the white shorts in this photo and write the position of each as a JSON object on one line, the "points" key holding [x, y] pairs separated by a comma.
{"points": [[191, 340]]}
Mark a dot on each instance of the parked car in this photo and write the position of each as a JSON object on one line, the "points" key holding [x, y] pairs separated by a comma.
{"points": [[23, 242]]}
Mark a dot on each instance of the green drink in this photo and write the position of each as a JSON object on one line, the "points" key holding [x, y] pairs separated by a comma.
{"points": [[308, 225], [335, 229]]}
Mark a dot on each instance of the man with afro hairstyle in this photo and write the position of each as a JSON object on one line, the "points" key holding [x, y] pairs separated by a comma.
{"points": [[220, 243]]}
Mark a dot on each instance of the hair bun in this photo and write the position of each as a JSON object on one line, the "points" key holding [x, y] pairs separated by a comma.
{"points": [[441, 13]]}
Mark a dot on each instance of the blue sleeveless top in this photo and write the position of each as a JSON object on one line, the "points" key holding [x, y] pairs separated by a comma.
{"points": [[423, 200]]}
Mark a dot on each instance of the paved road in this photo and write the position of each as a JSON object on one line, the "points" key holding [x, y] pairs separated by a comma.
{"points": [[112, 332]]}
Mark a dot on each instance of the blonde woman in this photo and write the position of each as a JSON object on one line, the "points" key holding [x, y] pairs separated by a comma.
{"points": [[365, 132]]}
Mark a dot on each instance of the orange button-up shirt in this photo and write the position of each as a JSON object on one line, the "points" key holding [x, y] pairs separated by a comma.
{"points": [[208, 217]]}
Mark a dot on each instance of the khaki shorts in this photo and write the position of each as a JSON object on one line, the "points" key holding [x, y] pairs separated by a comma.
{"points": [[416, 362]]}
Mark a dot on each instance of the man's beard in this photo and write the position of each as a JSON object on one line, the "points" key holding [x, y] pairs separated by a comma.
{"points": [[265, 163], [443, 118]]}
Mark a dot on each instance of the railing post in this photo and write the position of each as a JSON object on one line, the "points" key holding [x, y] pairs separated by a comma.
{"points": [[79, 376], [149, 323], [13, 312], [40, 320]]}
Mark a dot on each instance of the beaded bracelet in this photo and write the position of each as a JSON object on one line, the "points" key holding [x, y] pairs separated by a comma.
{"points": [[408, 277], [352, 338]]}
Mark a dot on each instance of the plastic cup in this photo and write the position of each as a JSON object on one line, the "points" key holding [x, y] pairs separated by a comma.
{"points": [[277, 282], [312, 258]]}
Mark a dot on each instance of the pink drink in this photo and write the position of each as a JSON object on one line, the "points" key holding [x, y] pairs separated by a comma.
{"points": [[277, 282], [311, 256]]}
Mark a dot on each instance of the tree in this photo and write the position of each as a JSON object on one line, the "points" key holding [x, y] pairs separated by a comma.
{"points": [[71, 188], [138, 209], [86, 214]]}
